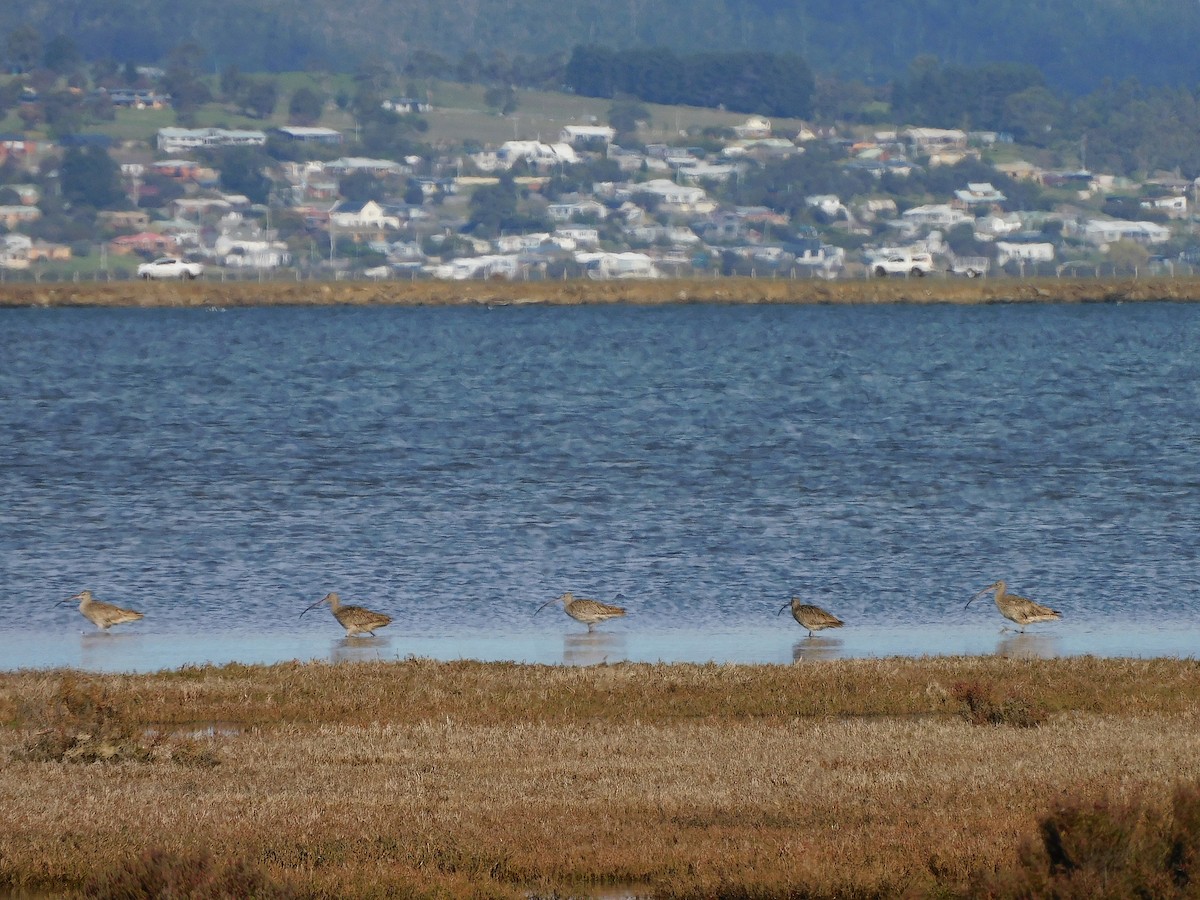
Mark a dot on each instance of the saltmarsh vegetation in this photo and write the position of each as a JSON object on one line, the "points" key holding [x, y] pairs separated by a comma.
{"points": [[854, 778]]}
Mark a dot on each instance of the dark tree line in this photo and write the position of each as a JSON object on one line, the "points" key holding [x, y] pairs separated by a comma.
{"points": [[743, 81]]}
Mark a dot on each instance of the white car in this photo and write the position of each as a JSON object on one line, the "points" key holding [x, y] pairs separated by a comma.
{"points": [[917, 264], [170, 267]]}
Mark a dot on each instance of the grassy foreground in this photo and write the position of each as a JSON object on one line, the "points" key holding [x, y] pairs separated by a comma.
{"points": [[208, 293], [853, 778]]}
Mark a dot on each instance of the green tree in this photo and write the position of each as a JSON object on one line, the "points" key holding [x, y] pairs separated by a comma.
{"points": [[61, 55], [232, 83], [244, 171], [501, 98], [183, 79], [305, 106], [624, 116], [359, 187], [23, 48], [63, 111], [259, 96], [90, 177], [414, 195]]}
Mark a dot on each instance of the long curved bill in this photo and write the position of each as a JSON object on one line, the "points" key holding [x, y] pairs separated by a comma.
{"points": [[980, 594]]}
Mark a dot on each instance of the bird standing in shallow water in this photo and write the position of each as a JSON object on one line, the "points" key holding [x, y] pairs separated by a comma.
{"points": [[101, 614], [589, 612], [811, 617], [355, 619], [1021, 610]]}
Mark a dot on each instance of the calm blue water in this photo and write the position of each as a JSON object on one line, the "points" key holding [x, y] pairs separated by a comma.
{"points": [[220, 471]]}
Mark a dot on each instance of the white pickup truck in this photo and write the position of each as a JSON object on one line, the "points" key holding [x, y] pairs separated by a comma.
{"points": [[170, 267], [916, 264]]}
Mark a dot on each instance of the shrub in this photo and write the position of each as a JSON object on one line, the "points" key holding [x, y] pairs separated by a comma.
{"points": [[80, 722], [980, 706], [197, 876], [1100, 849]]}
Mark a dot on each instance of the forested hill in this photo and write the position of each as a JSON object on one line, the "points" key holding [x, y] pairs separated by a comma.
{"points": [[1076, 43]]}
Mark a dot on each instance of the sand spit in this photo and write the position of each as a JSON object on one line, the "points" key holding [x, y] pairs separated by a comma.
{"points": [[577, 292]]}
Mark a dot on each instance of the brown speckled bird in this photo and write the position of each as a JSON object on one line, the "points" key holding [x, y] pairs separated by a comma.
{"points": [[102, 615], [589, 612], [355, 619], [1021, 610], [811, 617]]}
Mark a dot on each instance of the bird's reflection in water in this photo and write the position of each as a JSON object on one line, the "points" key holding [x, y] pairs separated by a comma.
{"points": [[103, 647], [816, 647], [590, 648], [1025, 645], [358, 649]]}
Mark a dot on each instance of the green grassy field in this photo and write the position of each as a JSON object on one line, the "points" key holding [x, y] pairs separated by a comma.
{"points": [[459, 114]]}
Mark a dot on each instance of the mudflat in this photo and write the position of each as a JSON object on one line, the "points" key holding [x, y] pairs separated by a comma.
{"points": [[565, 293], [417, 778]]}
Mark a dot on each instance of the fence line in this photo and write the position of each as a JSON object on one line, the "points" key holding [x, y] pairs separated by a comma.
{"points": [[1099, 271]]}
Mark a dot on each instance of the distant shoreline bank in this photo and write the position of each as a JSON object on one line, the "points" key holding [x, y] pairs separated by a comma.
{"points": [[582, 292]]}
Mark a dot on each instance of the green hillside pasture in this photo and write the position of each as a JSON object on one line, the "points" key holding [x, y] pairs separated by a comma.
{"points": [[460, 114]]}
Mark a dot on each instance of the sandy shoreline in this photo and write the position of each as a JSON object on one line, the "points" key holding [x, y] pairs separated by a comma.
{"points": [[570, 293]]}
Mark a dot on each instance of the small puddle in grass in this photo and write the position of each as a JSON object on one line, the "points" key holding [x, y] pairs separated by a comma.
{"points": [[199, 730], [628, 891]]}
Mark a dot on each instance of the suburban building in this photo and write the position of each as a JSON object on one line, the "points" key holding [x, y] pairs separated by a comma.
{"points": [[176, 140]]}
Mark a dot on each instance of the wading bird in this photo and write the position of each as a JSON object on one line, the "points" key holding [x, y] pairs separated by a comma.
{"points": [[1017, 609], [589, 612], [811, 617], [101, 614], [355, 619]]}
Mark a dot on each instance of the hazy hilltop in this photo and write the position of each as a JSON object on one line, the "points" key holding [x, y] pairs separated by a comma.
{"points": [[1076, 43]]}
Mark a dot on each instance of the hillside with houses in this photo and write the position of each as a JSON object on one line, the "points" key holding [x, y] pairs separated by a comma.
{"points": [[378, 186]]}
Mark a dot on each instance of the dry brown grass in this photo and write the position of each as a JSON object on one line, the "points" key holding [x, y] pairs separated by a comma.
{"points": [[850, 778]]}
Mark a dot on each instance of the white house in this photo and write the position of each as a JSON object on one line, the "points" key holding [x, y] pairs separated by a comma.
{"points": [[1174, 207], [830, 204], [703, 171], [980, 192], [14, 251], [536, 153], [371, 217], [604, 266], [582, 235], [753, 127], [251, 253], [676, 198], [348, 165], [587, 208], [1034, 253], [305, 134], [934, 215], [586, 134], [1101, 232], [924, 140], [993, 226], [518, 243], [175, 140], [489, 266]]}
